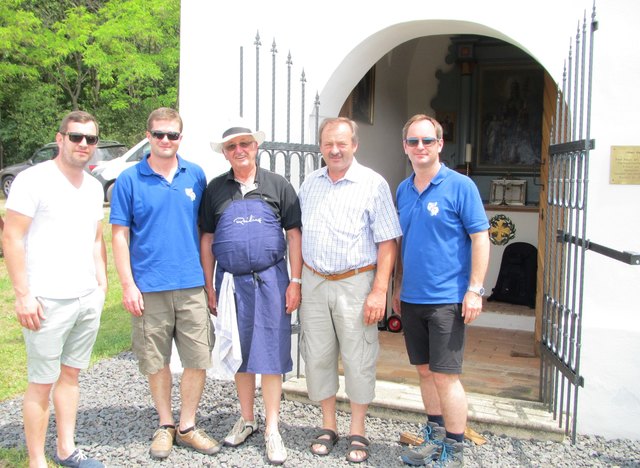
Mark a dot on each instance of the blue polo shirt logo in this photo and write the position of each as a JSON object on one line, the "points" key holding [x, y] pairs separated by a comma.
{"points": [[190, 193], [432, 207]]}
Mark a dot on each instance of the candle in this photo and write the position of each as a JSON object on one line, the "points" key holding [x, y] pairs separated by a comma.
{"points": [[467, 157]]}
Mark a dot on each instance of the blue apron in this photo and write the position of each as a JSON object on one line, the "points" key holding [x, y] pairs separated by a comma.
{"points": [[250, 244]]}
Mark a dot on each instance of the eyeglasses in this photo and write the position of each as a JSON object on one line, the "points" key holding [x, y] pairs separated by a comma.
{"points": [[242, 144], [78, 137], [427, 141], [173, 136]]}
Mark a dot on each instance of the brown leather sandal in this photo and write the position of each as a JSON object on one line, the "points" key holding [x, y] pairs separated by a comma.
{"points": [[357, 447], [328, 443]]}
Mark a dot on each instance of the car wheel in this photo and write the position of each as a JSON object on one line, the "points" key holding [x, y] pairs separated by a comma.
{"points": [[109, 192], [6, 184]]}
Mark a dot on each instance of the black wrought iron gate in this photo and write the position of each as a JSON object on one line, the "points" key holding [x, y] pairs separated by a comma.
{"points": [[284, 156], [566, 242], [565, 247]]}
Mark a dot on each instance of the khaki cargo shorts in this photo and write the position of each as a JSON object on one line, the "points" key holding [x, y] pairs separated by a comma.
{"points": [[181, 315]]}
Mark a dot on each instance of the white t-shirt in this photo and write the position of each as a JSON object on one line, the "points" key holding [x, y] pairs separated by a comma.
{"points": [[60, 240]]}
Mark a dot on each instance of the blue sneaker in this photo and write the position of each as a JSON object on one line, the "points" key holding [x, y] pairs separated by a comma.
{"points": [[430, 449], [78, 460], [452, 455]]}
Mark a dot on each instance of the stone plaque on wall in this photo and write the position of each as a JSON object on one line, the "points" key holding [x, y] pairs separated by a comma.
{"points": [[625, 165]]}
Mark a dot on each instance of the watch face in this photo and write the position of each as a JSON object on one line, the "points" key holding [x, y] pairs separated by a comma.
{"points": [[481, 291]]}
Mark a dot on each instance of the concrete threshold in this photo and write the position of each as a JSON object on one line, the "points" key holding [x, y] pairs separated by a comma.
{"points": [[500, 416]]}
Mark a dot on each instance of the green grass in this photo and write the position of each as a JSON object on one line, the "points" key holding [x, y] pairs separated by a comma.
{"points": [[12, 352], [14, 458], [17, 458], [115, 324], [113, 338]]}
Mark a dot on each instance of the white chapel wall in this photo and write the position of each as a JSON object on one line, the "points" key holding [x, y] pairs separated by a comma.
{"points": [[337, 42]]}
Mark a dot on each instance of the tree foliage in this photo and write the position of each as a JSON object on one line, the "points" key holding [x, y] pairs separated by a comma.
{"points": [[117, 59], [19, 43]]}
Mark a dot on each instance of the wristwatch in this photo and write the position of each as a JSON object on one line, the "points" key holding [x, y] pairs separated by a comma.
{"points": [[296, 280], [479, 291]]}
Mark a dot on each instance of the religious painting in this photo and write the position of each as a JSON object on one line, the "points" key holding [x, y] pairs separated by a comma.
{"points": [[509, 127], [448, 122]]}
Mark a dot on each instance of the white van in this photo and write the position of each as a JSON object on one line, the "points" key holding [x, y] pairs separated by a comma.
{"points": [[107, 171]]}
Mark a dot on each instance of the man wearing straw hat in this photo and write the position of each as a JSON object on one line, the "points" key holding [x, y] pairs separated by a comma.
{"points": [[243, 215]]}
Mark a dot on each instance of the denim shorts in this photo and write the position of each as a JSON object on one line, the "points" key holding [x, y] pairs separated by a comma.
{"points": [[66, 336]]}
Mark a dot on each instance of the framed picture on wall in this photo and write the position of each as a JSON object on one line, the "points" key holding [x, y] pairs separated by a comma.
{"points": [[509, 126], [359, 104], [508, 192]]}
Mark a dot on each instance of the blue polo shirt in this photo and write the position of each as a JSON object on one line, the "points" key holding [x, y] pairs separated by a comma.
{"points": [[162, 220], [436, 247]]}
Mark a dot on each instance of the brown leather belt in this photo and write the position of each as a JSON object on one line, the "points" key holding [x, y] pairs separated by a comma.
{"points": [[343, 275]]}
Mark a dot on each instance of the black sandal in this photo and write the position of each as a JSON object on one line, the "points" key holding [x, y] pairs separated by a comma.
{"points": [[357, 447], [328, 443]]}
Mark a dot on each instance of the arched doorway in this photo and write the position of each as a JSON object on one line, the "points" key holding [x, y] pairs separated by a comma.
{"points": [[454, 78], [483, 88]]}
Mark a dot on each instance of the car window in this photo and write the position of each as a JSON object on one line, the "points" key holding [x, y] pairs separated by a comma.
{"points": [[108, 153], [44, 155], [113, 152], [137, 156], [105, 154]]}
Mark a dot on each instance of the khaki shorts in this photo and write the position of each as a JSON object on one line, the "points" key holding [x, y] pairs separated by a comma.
{"points": [[182, 315], [66, 336], [332, 326]]}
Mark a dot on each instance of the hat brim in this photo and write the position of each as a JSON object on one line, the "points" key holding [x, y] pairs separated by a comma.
{"points": [[217, 146]]}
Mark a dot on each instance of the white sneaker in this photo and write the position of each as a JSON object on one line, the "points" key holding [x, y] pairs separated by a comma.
{"points": [[240, 431], [276, 451]]}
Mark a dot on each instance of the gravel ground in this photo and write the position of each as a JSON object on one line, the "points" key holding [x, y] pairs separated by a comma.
{"points": [[116, 420]]}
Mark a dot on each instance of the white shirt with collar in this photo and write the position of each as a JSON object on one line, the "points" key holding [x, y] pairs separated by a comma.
{"points": [[343, 221]]}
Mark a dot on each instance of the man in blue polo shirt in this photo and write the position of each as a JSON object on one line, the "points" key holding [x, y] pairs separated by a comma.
{"points": [[438, 284], [154, 213]]}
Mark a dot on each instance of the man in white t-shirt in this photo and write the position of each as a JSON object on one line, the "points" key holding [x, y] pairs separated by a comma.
{"points": [[56, 259]]}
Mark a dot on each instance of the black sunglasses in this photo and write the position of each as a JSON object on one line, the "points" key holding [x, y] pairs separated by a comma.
{"points": [[173, 136], [427, 141], [242, 144], [78, 137]]}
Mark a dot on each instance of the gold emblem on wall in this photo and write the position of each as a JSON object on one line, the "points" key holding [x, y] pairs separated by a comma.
{"points": [[501, 230]]}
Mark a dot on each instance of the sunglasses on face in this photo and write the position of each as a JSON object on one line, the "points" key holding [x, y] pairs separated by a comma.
{"points": [[78, 137], [427, 141], [173, 136], [242, 144]]}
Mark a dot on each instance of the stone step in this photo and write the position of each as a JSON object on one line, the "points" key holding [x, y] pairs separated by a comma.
{"points": [[500, 416]]}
